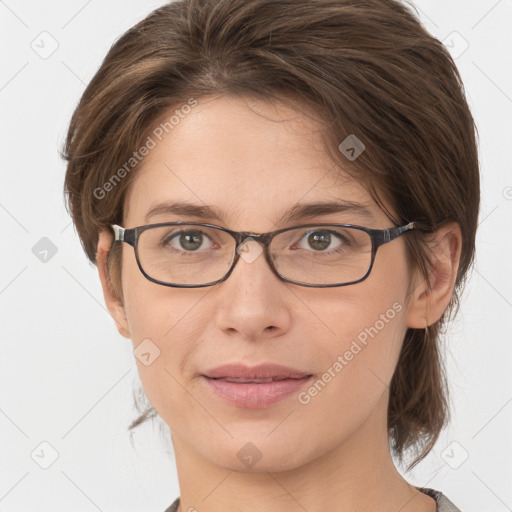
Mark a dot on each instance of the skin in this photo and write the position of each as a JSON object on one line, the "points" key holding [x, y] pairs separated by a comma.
{"points": [[331, 454]]}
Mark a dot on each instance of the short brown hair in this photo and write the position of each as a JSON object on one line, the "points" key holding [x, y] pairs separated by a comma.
{"points": [[367, 67]]}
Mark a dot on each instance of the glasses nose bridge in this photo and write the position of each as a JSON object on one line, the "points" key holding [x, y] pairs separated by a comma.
{"points": [[262, 238]]}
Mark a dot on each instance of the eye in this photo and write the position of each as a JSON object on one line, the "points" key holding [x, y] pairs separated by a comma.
{"points": [[188, 241], [320, 240]]}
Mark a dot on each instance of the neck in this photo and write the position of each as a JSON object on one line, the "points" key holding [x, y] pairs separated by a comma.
{"points": [[358, 474]]}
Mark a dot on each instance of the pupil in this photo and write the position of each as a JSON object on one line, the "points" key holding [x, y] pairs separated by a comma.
{"points": [[319, 240], [191, 242]]}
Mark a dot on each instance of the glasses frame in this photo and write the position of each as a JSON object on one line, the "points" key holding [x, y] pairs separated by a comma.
{"points": [[378, 237]]}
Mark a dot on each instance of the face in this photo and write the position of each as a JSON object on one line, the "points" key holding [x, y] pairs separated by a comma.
{"points": [[252, 161]]}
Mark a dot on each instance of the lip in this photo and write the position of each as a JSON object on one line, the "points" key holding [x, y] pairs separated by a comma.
{"points": [[255, 395], [261, 371]]}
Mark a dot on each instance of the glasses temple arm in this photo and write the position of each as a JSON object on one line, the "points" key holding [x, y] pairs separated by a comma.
{"points": [[396, 232]]}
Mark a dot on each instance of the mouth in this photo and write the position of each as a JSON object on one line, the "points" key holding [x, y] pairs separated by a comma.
{"points": [[257, 387]]}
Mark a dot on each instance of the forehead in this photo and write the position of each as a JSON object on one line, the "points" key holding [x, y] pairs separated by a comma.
{"points": [[249, 160]]}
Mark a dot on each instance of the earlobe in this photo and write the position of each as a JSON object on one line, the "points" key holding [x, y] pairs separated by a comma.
{"points": [[430, 297], [112, 300]]}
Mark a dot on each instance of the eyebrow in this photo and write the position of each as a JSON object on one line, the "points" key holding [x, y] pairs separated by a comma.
{"points": [[299, 211]]}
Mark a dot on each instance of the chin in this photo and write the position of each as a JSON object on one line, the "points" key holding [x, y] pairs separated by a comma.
{"points": [[257, 457]]}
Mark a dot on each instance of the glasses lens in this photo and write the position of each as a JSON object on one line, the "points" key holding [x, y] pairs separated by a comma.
{"points": [[322, 254], [185, 254]]}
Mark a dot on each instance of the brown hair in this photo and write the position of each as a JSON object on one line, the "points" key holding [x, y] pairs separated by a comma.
{"points": [[366, 67]]}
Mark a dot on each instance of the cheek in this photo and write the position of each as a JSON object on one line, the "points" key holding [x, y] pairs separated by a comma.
{"points": [[357, 367], [366, 338], [165, 332], [359, 340], [151, 310], [371, 347], [165, 326], [370, 314]]}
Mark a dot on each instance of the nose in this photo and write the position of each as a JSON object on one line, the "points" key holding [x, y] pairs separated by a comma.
{"points": [[253, 301]]}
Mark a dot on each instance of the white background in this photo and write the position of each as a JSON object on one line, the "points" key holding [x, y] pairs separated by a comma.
{"points": [[67, 376]]}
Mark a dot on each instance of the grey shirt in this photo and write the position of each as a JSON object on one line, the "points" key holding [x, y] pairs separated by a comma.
{"points": [[443, 503]]}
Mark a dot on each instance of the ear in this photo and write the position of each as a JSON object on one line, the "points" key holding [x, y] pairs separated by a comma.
{"points": [[112, 300], [430, 297]]}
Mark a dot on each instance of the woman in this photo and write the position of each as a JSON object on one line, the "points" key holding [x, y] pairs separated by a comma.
{"points": [[281, 198]]}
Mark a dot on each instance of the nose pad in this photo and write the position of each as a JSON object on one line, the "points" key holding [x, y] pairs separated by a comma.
{"points": [[249, 250]]}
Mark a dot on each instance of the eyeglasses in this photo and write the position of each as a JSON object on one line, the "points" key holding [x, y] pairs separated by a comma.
{"points": [[193, 255]]}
